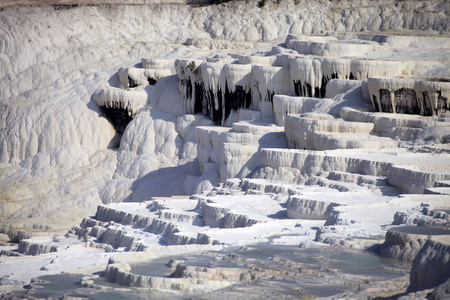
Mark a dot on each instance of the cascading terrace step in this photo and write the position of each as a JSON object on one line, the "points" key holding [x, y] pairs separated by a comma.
{"points": [[438, 191], [368, 181], [409, 172], [442, 183]]}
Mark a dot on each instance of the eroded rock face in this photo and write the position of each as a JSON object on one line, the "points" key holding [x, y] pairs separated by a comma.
{"points": [[431, 266], [442, 291], [422, 216], [408, 96], [164, 151], [294, 165], [29, 247], [120, 273], [298, 208], [404, 243]]}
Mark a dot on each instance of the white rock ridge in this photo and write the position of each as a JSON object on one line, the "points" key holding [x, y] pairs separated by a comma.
{"points": [[245, 123]]}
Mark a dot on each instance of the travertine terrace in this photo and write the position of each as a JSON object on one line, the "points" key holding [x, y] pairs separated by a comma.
{"points": [[201, 149]]}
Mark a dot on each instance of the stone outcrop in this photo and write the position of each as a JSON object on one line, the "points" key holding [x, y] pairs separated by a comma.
{"points": [[404, 243], [409, 96], [323, 132], [442, 291], [286, 105], [299, 208], [29, 247], [431, 266], [299, 165], [134, 77], [120, 273]]}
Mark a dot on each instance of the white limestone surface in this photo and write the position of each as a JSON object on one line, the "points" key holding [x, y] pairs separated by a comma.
{"points": [[60, 158]]}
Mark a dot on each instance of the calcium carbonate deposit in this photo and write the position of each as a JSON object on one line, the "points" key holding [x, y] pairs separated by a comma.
{"points": [[224, 149]]}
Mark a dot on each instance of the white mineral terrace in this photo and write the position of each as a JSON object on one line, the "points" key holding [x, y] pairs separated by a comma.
{"points": [[241, 150]]}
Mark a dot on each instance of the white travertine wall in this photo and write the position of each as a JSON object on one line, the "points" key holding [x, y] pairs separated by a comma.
{"points": [[284, 105], [330, 47], [270, 81], [400, 95], [311, 74], [54, 62], [32, 63], [301, 208], [413, 181], [323, 132], [295, 166], [338, 86], [189, 74], [128, 100]]}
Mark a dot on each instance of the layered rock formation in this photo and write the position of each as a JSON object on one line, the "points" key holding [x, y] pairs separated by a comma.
{"points": [[404, 243], [431, 266], [316, 125]]}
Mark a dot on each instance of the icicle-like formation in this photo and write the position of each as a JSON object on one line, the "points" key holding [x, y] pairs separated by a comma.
{"points": [[363, 69], [284, 105], [130, 101], [190, 84], [133, 77], [270, 81], [120, 106], [212, 77], [408, 96], [310, 75], [226, 88], [306, 74], [237, 75], [236, 91]]}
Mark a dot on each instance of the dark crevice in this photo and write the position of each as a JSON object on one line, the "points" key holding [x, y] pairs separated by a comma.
{"points": [[442, 104], [227, 102], [302, 90], [214, 114], [131, 82], [406, 102], [306, 90], [189, 89], [118, 117], [426, 105], [386, 101], [375, 103], [199, 91], [270, 96]]}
